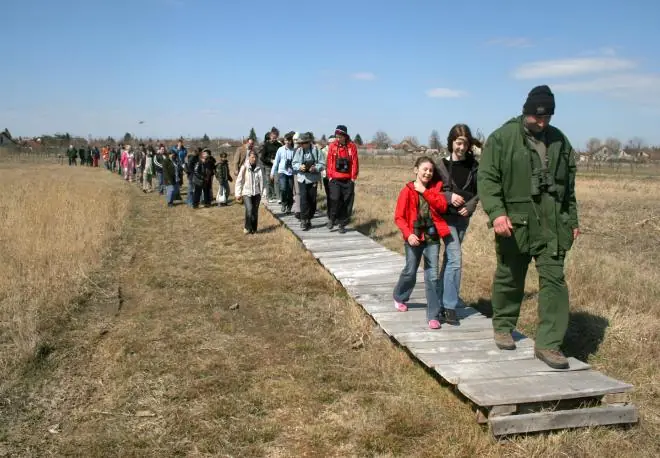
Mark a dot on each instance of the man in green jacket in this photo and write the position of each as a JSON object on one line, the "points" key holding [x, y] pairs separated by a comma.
{"points": [[526, 184]]}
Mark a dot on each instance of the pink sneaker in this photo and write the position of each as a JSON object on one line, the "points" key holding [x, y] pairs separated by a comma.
{"points": [[434, 324], [400, 306]]}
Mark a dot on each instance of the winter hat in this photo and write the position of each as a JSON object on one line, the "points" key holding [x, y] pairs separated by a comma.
{"points": [[340, 129], [540, 101]]}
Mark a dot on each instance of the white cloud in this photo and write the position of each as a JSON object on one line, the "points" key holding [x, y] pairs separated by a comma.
{"points": [[571, 67], [443, 92], [364, 76], [511, 42], [620, 85]]}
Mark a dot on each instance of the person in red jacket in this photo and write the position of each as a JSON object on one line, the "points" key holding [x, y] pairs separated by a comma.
{"points": [[342, 167], [418, 216]]}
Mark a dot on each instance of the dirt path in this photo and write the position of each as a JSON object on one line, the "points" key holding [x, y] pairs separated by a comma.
{"points": [[156, 362]]}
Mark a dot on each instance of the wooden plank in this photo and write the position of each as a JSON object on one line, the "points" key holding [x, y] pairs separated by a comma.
{"points": [[462, 345], [561, 419], [352, 252], [502, 369], [386, 281], [361, 255], [339, 244], [416, 320], [437, 336], [539, 388], [375, 271], [416, 315], [397, 327], [366, 261], [473, 357]]}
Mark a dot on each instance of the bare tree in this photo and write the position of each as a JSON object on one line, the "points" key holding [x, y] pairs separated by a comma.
{"points": [[382, 140], [434, 140], [636, 144], [613, 145], [594, 144], [412, 141], [480, 136]]}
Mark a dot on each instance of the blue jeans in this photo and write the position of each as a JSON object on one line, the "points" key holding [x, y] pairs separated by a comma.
{"points": [[170, 193], [408, 277], [159, 179], [449, 283], [191, 190], [286, 189]]}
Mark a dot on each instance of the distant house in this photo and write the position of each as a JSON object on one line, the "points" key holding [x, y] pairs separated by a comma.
{"points": [[602, 154]]}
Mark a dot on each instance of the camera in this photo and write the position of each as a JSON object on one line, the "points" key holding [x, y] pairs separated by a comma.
{"points": [[342, 165], [309, 164], [288, 164]]}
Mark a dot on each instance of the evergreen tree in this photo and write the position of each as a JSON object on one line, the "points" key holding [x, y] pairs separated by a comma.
{"points": [[206, 138], [253, 135], [358, 140], [127, 138], [434, 140]]}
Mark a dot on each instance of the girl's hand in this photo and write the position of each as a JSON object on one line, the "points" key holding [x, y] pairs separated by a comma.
{"points": [[463, 211], [456, 200], [419, 187], [413, 240]]}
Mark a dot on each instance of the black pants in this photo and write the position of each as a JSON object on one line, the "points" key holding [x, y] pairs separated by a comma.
{"points": [[196, 195], [207, 193], [326, 189], [251, 204], [341, 196], [307, 195]]}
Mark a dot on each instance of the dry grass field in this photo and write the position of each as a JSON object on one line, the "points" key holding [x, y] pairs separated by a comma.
{"points": [[55, 226], [183, 337]]}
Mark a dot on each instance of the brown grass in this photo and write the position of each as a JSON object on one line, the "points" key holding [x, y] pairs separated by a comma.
{"points": [[53, 227], [165, 368]]}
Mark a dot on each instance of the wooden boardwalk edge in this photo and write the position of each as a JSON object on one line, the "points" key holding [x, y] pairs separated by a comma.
{"points": [[464, 356]]}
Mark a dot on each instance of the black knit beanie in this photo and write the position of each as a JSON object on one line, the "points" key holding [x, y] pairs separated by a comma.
{"points": [[540, 102]]}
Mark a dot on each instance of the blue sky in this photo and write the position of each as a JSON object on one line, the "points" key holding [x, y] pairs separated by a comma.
{"points": [[189, 67]]}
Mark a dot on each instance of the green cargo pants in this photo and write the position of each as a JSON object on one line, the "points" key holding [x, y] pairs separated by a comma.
{"points": [[509, 288]]}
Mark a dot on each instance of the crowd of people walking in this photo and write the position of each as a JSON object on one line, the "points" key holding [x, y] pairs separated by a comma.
{"points": [[526, 183]]}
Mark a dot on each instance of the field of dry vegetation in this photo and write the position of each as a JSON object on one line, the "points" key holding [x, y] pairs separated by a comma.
{"points": [[166, 332]]}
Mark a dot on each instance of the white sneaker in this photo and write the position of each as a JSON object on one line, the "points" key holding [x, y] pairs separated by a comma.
{"points": [[245, 231]]}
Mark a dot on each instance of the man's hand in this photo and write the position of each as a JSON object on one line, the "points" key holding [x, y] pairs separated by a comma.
{"points": [[503, 226], [239, 199], [303, 168], [419, 187], [457, 200], [576, 233], [463, 211], [413, 240], [272, 179], [312, 169]]}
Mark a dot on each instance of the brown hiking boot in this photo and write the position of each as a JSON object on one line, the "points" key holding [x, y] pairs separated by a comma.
{"points": [[504, 341], [553, 358]]}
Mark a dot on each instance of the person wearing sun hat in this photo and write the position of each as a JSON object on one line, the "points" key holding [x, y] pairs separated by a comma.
{"points": [[295, 208], [526, 183], [342, 169], [309, 163]]}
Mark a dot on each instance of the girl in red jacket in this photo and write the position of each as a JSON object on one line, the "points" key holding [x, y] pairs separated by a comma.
{"points": [[418, 216]]}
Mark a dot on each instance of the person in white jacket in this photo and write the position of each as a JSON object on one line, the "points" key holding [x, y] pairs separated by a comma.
{"points": [[249, 185]]}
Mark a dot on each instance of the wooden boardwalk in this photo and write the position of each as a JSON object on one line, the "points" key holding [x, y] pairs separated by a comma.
{"points": [[511, 390]]}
